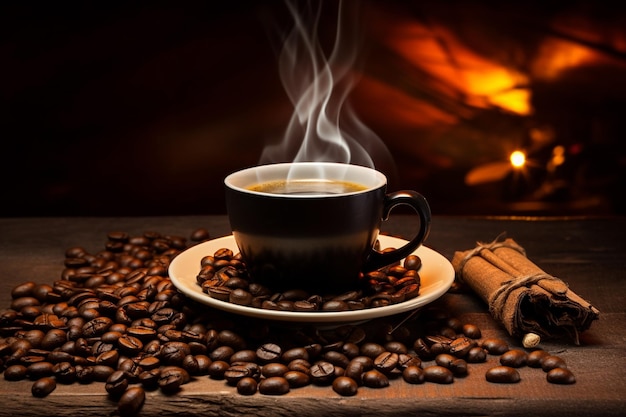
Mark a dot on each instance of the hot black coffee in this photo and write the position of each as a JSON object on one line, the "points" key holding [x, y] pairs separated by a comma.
{"points": [[307, 187]]}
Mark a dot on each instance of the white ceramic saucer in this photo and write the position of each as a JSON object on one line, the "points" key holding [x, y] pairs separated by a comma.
{"points": [[436, 273]]}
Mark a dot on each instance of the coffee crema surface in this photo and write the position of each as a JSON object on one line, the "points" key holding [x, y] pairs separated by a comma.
{"points": [[307, 187]]}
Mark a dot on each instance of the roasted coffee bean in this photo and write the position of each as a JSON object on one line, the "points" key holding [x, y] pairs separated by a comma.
{"points": [[444, 359], [336, 358], [335, 305], [304, 305], [458, 367], [102, 372], [116, 383], [535, 358], [240, 296], [396, 347], [423, 349], [408, 359], [15, 373], [199, 235], [372, 350], [412, 262], [109, 358], [32, 358], [149, 380], [460, 346], [386, 362], [297, 379], [375, 379], [514, 358], [295, 353], [23, 290], [476, 354], [84, 374], [350, 350], [246, 355], [413, 374], [275, 385], [247, 386], [495, 346], [171, 378], [96, 327], [552, 361], [366, 361], [235, 373], [131, 402], [173, 353], [222, 353], [438, 374], [53, 339], [322, 373], [274, 369], [149, 363], [300, 365], [269, 352], [447, 332], [232, 339], [40, 369], [19, 303], [455, 324], [472, 331], [64, 372], [43, 387], [503, 375], [60, 356], [217, 369], [560, 376], [345, 386]]}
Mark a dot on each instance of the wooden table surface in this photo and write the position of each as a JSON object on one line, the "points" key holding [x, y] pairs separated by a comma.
{"points": [[588, 254]]}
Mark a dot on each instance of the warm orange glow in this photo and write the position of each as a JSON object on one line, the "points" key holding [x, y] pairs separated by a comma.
{"points": [[518, 159], [481, 82], [556, 56]]}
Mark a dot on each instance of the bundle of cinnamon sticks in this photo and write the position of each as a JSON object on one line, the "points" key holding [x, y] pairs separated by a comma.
{"points": [[520, 295]]}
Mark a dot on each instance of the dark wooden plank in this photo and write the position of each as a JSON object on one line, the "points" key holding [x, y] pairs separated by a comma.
{"points": [[589, 254]]}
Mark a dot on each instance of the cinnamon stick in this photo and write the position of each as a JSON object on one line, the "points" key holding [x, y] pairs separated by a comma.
{"points": [[520, 295]]}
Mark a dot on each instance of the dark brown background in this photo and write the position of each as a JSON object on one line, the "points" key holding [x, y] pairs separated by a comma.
{"points": [[143, 108]]}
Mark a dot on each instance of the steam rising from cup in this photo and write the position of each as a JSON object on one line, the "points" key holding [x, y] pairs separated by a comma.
{"points": [[323, 126]]}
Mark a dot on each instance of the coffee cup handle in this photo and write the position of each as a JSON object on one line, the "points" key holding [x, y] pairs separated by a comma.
{"points": [[415, 200]]}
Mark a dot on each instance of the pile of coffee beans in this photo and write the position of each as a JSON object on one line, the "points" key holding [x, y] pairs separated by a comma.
{"points": [[115, 318], [223, 276]]}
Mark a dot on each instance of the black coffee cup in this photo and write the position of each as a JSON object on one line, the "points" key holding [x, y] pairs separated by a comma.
{"points": [[314, 225]]}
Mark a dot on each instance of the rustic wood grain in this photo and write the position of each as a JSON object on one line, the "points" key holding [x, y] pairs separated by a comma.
{"points": [[589, 254]]}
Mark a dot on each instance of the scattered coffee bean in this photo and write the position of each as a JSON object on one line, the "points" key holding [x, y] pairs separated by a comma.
{"points": [[514, 358], [552, 361], [15, 372], [275, 385], [476, 355], [322, 373], [472, 331], [560, 376], [43, 387], [438, 374], [345, 386], [495, 346], [297, 379], [116, 317], [503, 375], [247, 386], [535, 358], [375, 379], [413, 375], [131, 401]]}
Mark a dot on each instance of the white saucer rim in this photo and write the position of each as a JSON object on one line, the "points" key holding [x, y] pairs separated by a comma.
{"points": [[433, 263]]}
